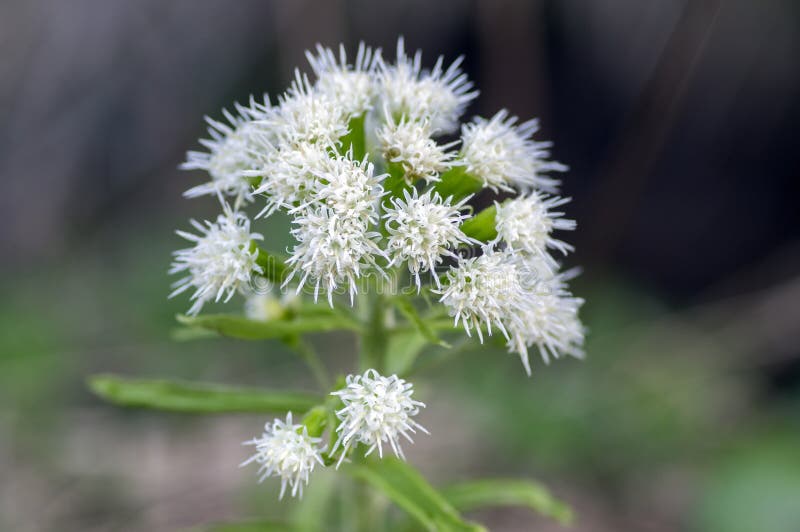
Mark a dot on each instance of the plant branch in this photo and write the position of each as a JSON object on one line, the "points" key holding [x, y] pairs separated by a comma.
{"points": [[312, 359]]}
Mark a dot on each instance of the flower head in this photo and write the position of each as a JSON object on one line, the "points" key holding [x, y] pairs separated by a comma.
{"points": [[305, 114], [376, 410], [505, 156], [409, 144], [439, 95], [220, 263], [289, 173], [286, 450], [231, 151], [348, 188], [526, 224], [332, 250], [351, 87], [549, 320], [485, 291], [422, 230]]}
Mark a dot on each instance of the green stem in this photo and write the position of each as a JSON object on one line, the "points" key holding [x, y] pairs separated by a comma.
{"points": [[314, 362], [370, 511], [364, 507], [355, 138], [373, 341], [350, 505]]}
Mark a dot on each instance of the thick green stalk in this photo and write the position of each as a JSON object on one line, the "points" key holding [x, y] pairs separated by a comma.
{"points": [[355, 138], [370, 509], [373, 340]]}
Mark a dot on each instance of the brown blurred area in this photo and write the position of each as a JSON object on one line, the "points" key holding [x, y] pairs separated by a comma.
{"points": [[679, 120]]}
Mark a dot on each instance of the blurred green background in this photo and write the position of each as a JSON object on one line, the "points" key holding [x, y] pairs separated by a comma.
{"points": [[679, 120]]}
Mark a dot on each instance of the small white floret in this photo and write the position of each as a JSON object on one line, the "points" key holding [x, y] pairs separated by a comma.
{"points": [[409, 144], [289, 173], [526, 224], [423, 229], [505, 156], [221, 262], [549, 321], [285, 450], [231, 152], [376, 410], [439, 95], [485, 291], [351, 87], [347, 188], [305, 114], [332, 250]]}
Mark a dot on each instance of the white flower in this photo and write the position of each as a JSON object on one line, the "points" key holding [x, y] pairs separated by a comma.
{"points": [[287, 451], [549, 321], [288, 174], [422, 230], [409, 144], [348, 188], [335, 245], [526, 223], [505, 156], [231, 151], [439, 95], [485, 290], [350, 87], [376, 410], [307, 115], [221, 262], [333, 249]]}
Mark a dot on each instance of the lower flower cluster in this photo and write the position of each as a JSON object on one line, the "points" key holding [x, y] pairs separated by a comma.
{"points": [[376, 410]]}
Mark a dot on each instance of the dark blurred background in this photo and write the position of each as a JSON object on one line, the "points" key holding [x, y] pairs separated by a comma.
{"points": [[679, 122]]}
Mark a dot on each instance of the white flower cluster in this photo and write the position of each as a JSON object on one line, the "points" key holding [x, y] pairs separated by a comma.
{"points": [[353, 157], [376, 410]]}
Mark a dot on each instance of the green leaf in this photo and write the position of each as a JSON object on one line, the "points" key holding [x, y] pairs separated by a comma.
{"points": [[442, 324], [406, 307], [246, 329], [482, 225], [403, 349], [501, 492], [411, 492], [251, 526], [457, 183], [196, 398], [315, 420], [186, 334]]}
